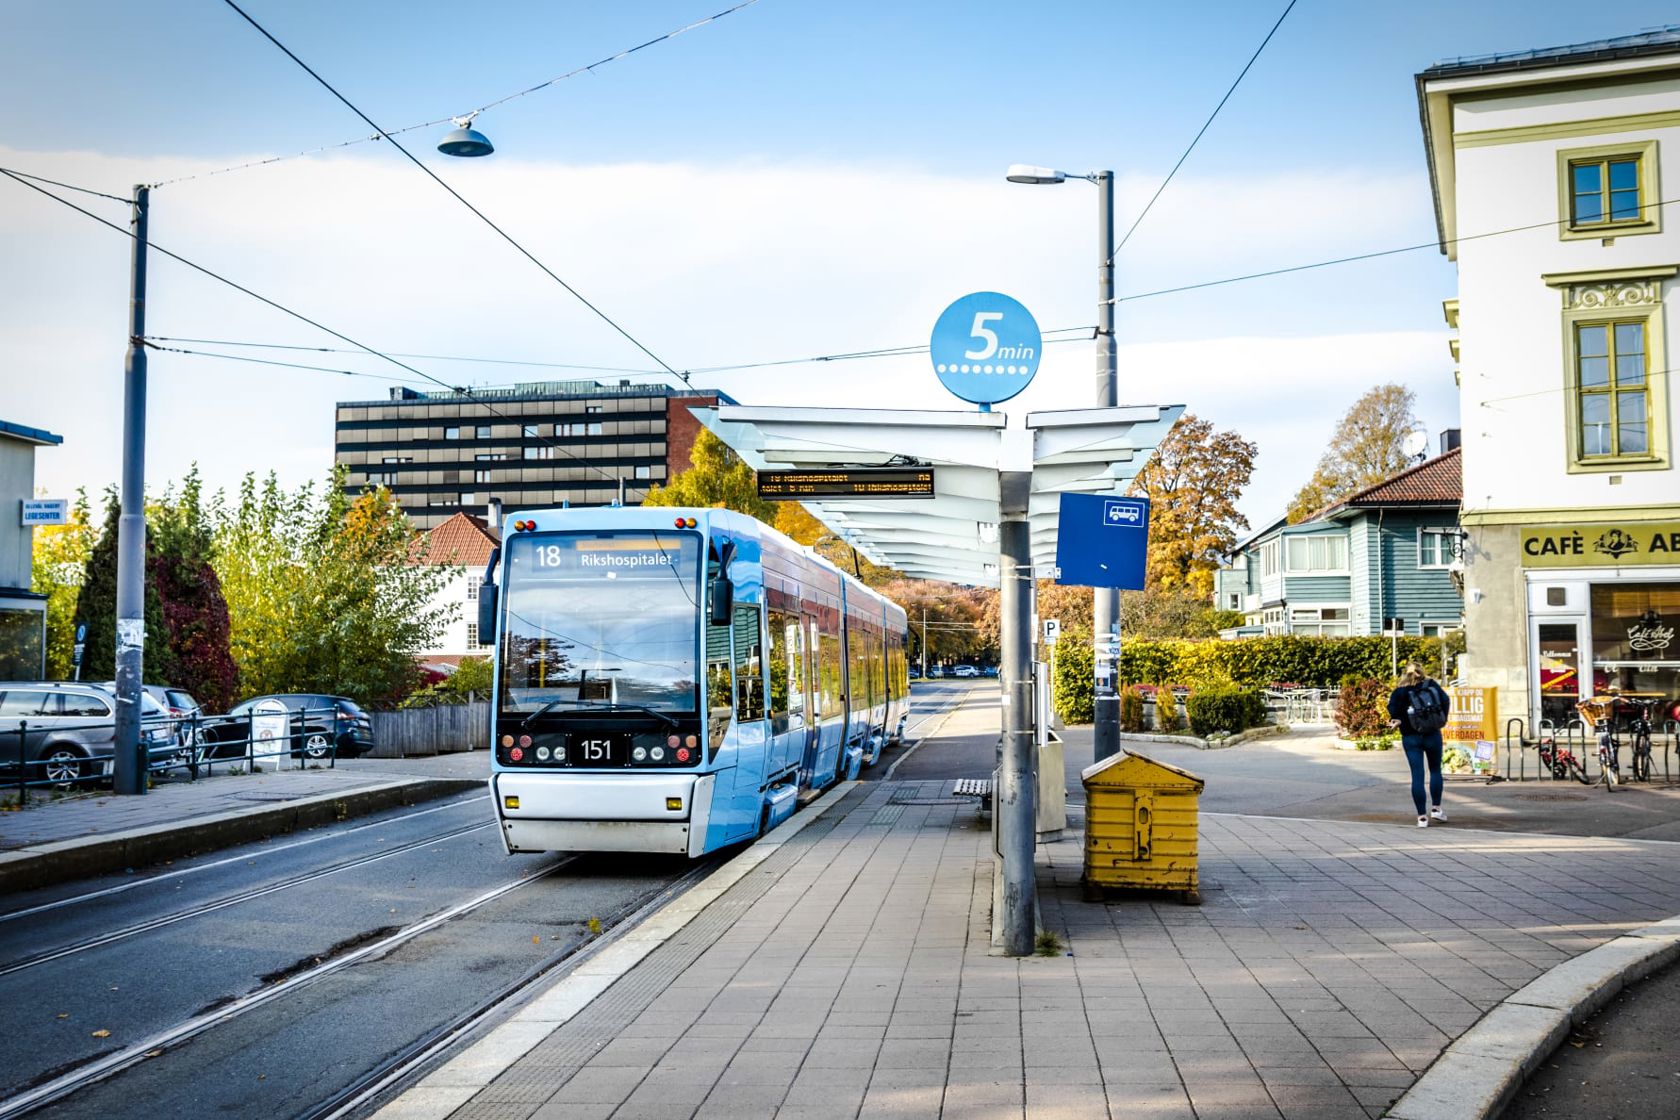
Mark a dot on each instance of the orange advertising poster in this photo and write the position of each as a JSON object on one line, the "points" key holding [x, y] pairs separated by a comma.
{"points": [[1472, 729]]}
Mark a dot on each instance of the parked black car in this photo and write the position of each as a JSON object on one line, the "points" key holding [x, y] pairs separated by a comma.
{"points": [[320, 723]]}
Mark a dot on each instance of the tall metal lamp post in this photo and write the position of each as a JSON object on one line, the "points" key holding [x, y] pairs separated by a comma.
{"points": [[1105, 601]]}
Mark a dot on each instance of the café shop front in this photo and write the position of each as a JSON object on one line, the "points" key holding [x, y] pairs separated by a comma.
{"points": [[1603, 610]]}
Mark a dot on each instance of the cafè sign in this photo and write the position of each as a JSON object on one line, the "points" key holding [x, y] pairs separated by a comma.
{"points": [[1600, 546]]}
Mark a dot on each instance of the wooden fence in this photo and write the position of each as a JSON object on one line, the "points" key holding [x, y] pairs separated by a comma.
{"points": [[426, 731]]}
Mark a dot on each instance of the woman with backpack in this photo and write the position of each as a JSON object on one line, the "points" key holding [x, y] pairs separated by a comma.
{"points": [[1419, 708]]}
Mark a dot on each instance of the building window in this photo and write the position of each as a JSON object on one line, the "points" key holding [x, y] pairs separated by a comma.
{"points": [[578, 428], [469, 499], [452, 433], [1320, 554], [482, 431], [1608, 191], [1610, 368], [1437, 629], [644, 471], [1437, 548], [472, 590], [1269, 558], [1615, 403], [1604, 190], [1324, 622], [1233, 601], [481, 476], [539, 452], [472, 633], [591, 409], [397, 459]]}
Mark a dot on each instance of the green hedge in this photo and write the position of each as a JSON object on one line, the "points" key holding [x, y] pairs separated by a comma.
{"points": [[1225, 709], [1249, 663], [1131, 710]]}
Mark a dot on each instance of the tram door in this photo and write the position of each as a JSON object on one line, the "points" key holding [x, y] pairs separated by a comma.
{"points": [[811, 641]]}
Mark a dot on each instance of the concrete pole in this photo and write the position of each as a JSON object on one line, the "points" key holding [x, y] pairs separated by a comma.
{"points": [[128, 767], [1015, 800], [1105, 601]]}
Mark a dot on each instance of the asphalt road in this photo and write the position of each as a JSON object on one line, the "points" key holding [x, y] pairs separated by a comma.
{"points": [[94, 968]]}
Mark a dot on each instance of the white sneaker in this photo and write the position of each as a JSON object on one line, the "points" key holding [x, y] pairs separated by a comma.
{"points": [[1438, 813], [1423, 822]]}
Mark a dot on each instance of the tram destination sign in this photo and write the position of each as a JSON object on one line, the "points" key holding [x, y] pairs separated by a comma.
{"points": [[850, 482]]}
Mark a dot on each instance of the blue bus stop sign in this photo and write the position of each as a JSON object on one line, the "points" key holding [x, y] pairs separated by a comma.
{"points": [[986, 348], [1102, 541]]}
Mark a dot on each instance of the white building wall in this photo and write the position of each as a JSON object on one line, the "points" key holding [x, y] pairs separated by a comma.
{"points": [[460, 590], [1511, 330]]}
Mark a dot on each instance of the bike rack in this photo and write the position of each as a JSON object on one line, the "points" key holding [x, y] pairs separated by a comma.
{"points": [[1522, 742]]}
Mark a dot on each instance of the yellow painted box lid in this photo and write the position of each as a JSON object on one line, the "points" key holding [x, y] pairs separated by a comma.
{"points": [[1132, 770]]}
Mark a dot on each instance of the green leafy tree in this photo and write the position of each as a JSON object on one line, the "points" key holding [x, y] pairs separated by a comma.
{"points": [[718, 478], [1193, 482], [470, 681], [57, 564], [195, 612], [96, 606], [323, 592], [1366, 447]]}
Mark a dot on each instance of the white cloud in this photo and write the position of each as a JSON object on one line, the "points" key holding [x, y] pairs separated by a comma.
{"points": [[706, 265]]}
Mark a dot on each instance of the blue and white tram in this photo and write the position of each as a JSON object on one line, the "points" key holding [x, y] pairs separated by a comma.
{"points": [[676, 680]]}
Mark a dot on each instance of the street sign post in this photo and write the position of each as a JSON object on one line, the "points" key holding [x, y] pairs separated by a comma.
{"points": [[1052, 630], [1102, 541], [986, 348]]}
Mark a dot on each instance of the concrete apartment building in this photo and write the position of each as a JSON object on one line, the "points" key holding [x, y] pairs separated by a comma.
{"points": [[1566, 157], [537, 444]]}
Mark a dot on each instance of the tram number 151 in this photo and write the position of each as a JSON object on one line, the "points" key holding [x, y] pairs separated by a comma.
{"points": [[596, 750]]}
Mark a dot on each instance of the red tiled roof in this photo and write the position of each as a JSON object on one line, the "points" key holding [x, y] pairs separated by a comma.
{"points": [[461, 541], [1436, 481]]}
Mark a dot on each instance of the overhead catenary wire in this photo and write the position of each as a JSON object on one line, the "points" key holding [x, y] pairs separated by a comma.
{"points": [[467, 116], [153, 246], [433, 176], [71, 186], [853, 355], [1205, 125]]}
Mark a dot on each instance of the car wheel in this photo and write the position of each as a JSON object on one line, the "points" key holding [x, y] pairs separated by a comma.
{"points": [[316, 745], [63, 766]]}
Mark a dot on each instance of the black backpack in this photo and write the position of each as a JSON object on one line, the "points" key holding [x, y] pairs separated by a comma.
{"points": [[1428, 710]]}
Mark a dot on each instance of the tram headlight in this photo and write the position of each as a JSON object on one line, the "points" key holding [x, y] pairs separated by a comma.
{"points": [[559, 754], [639, 754], [658, 754], [542, 754]]}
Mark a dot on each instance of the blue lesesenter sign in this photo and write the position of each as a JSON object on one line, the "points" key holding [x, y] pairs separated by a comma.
{"points": [[1102, 542], [986, 348]]}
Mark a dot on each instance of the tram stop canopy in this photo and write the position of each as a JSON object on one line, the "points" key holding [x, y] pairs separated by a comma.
{"points": [[984, 472]]}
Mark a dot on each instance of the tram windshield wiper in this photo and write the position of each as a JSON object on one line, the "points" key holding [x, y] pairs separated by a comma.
{"points": [[600, 705]]}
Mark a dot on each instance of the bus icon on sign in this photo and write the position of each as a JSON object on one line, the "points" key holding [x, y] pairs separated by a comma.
{"points": [[1116, 512]]}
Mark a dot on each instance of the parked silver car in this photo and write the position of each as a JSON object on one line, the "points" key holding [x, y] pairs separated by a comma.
{"points": [[65, 731]]}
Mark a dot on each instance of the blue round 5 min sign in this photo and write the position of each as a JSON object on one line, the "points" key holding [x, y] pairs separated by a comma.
{"points": [[986, 347]]}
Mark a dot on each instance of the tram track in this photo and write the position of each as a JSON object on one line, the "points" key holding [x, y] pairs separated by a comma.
{"points": [[155, 1045], [226, 861], [235, 899], [406, 1066]]}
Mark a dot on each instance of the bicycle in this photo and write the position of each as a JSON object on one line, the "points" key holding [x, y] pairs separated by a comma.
{"points": [[1597, 712], [1561, 761], [1640, 728]]}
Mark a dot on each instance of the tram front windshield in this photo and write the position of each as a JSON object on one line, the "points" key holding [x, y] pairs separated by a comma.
{"points": [[601, 621]]}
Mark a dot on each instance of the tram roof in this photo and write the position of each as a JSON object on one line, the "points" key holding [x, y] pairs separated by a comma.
{"points": [[975, 455]]}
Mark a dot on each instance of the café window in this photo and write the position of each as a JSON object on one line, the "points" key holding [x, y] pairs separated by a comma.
{"points": [[1635, 646]]}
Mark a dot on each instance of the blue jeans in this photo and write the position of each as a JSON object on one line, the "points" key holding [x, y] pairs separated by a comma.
{"points": [[1421, 748]]}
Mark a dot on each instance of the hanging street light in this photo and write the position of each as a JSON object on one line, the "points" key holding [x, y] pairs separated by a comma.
{"points": [[464, 140]]}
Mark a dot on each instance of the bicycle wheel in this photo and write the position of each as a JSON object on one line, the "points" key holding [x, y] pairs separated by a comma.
{"points": [[1642, 758], [1606, 771], [1579, 769]]}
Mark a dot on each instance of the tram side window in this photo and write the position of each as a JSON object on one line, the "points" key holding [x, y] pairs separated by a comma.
{"points": [[787, 706], [749, 665], [829, 673], [877, 669], [720, 685], [857, 685]]}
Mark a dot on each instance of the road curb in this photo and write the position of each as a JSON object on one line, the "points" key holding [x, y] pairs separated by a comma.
{"points": [[1477, 1075], [457, 1081], [43, 865]]}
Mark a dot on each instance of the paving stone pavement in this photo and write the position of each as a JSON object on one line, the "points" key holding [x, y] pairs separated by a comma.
{"points": [[850, 977]]}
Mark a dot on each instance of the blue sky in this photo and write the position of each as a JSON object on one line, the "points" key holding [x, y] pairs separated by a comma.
{"points": [[799, 178]]}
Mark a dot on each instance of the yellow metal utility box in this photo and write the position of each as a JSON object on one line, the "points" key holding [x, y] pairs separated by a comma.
{"points": [[1140, 827]]}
